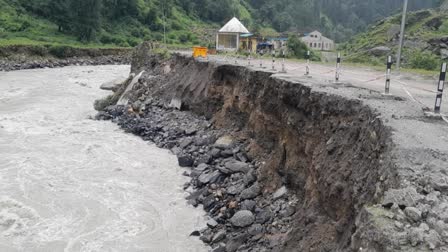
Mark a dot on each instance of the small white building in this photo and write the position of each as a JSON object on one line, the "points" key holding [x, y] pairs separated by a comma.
{"points": [[228, 37], [315, 40]]}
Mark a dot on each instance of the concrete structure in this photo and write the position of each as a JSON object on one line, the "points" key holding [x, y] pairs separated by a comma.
{"points": [[228, 37], [279, 44], [315, 40], [248, 42]]}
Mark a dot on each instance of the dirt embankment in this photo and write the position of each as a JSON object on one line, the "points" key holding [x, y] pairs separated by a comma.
{"points": [[346, 185], [30, 57]]}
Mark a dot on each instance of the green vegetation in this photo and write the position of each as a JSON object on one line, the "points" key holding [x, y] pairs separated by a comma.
{"points": [[298, 49], [124, 23], [424, 47]]}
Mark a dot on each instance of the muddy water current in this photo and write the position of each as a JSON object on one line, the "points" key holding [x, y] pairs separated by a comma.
{"points": [[70, 183]]}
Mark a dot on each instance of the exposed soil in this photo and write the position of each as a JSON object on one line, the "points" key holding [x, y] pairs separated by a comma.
{"points": [[249, 133]]}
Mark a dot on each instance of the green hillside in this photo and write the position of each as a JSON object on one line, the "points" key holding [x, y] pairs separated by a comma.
{"points": [[425, 46], [26, 24], [186, 22]]}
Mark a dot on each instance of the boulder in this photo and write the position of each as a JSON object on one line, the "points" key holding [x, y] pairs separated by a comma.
{"points": [[219, 236], [413, 214], [224, 142], [113, 85], [237, 166], [185, 161], [243, 218], [280, 193], [380, 51], [209, 177], [251, 192]]}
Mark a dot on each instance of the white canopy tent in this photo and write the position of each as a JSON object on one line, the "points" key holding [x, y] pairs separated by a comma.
{"points": [[228, 37]]}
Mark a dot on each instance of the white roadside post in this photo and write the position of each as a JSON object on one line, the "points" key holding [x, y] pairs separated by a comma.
{"points": [[273, 60], [440, 88], [307, 57], [338, 67], [283, 63], [388, 74]]}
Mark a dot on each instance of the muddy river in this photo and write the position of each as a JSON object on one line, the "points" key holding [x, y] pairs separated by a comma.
{"points": [[69, 183]]}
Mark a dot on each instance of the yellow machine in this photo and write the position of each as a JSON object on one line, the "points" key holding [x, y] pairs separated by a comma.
{"points": [[199, 51]]}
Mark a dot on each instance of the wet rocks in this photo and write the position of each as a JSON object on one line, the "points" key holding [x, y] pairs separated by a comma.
{"points": [[185, 161], [209, 177]]}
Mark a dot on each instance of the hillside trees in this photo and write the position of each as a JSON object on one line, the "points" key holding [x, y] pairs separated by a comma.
{"points": [[338, 19], [86, 18]]}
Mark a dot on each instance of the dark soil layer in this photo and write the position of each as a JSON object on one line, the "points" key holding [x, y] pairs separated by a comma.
{"points": [[277, 165], [31, 57]]}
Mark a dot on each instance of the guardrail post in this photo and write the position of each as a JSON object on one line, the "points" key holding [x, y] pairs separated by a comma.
{"points": [[440, 88], [307, 57], [283, 63], [273, 60], [338, 67], [388, 73]]}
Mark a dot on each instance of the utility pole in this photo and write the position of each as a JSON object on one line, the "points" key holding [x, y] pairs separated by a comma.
{"points": [[403, 26], [164, 23]]}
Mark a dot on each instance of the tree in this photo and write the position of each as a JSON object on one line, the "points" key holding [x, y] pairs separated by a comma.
{"points": [[86, 18], [59, 13]]}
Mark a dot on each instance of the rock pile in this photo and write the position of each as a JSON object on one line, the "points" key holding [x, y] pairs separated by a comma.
{"points": [[224, 178]]}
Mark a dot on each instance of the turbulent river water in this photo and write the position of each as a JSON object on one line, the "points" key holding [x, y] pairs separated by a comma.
{"points": [[69, 183]]}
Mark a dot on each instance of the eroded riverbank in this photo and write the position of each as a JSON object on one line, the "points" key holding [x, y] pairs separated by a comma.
{"points": [[360, 174], [69, 183]]}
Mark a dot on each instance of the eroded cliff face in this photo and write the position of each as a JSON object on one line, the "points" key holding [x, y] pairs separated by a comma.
{"points": [[357, 178], [327, 149]]}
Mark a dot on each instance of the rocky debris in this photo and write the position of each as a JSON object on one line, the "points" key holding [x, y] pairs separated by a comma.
{"points": [[413, 214], [26, 63], [330, 182], [280, 193], [405, 197], [223, 178]]}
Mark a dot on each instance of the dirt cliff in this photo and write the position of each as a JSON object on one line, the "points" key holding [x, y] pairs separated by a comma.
{"points": [[343, 155]]}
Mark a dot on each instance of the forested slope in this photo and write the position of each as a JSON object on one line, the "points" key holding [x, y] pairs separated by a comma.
{"points": [[127, 22], [425, 44]]}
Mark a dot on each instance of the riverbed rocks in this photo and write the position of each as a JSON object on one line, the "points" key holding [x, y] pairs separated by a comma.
{"points": [[224, 179]]}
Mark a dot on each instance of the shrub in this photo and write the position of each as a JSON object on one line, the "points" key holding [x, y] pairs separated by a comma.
{"points": [[298, 49], [423, 60]]}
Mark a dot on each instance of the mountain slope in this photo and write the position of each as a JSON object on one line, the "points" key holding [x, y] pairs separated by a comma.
{"points": [[426, 40], [187, 22]]}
